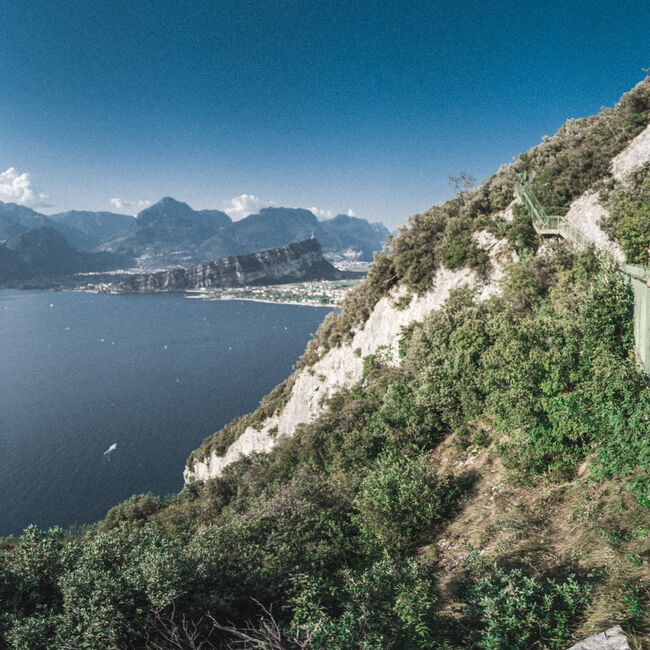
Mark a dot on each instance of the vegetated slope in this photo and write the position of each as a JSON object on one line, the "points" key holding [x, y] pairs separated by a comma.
{"points": [[297, 262], [488, 488]]}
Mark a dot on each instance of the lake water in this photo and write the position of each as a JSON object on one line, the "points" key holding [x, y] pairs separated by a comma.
{"points": [[154, 374]]}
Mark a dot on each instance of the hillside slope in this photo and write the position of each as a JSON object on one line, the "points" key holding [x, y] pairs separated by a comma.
{"points": [[341, 366], [460, 460]]}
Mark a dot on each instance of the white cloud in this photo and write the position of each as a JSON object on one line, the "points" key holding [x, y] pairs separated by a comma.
{"points": [[322, 214], [245, 204], [329, 214], [17, 188], [131, 206]]}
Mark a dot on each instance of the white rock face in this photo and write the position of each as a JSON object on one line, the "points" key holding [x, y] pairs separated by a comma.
{"points": [[585, 214], [343, 366], [612, 639], [635, 154], [250, 441], [586, 211]]}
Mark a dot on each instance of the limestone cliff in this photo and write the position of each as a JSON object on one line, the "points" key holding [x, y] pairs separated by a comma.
{"points": [[296, 262], [342, 366]]}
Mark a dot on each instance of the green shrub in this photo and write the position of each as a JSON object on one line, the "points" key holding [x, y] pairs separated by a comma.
{"points": [[517, 612], [629, 215], [400, 499], [137, 508], [390, 604]]}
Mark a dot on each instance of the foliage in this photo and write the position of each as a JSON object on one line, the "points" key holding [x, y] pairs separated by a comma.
{"points": [[518, 612], [628, 221], [390, 604], [400, 498], [137, 508]]}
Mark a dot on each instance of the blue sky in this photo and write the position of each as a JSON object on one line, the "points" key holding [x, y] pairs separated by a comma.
{"points": [[361, 106]]}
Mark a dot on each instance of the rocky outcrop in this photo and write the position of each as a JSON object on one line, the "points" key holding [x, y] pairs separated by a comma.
{"points": [[586, 213], [612, 639], [635, 154], [342, 366], [296, 262]]}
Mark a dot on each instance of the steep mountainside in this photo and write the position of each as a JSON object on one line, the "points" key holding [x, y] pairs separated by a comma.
{"points": [[95, 227], [167, 233], [12, 268], [43, 253], [295, 262], [460, 460]]}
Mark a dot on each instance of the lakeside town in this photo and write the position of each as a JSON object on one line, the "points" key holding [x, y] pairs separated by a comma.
{"points": [[321, 293]]}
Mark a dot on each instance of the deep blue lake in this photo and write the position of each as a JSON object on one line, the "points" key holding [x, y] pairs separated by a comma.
{"points": [[154, 374]]}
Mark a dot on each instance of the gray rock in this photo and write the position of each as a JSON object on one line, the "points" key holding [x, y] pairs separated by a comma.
{"points": [[612, 639], [297, 262]]}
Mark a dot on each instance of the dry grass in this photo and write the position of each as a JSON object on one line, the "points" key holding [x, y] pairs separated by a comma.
{"points": [[596, 531]]}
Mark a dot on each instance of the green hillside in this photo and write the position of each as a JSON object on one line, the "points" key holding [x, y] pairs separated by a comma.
{"points": [[491, 491]]}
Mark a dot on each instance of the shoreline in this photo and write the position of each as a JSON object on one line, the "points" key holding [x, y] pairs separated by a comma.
{"points": [[270, 302]]}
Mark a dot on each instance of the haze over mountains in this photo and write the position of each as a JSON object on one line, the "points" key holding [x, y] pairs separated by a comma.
{"points": [[167, 234]]}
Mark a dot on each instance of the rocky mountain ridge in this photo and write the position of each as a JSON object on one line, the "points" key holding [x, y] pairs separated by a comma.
{"points": [[82, 229], [170, 233], [296, 262]]}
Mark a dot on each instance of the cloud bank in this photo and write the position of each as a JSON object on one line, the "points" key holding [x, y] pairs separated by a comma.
{"points": [[131, 206], [329, 214], [17, 188], [245, 204]]}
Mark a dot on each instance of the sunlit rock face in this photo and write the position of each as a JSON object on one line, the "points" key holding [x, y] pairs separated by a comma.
{"points": [[342, 366], [296, 262], [612, 639]]}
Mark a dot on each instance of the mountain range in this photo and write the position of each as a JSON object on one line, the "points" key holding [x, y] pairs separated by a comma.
{"points": [[172, 233], [167, 234]]}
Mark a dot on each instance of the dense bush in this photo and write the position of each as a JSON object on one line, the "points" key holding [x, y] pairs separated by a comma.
{"points": [[400, 498], [517, 612], [390, 604]]}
